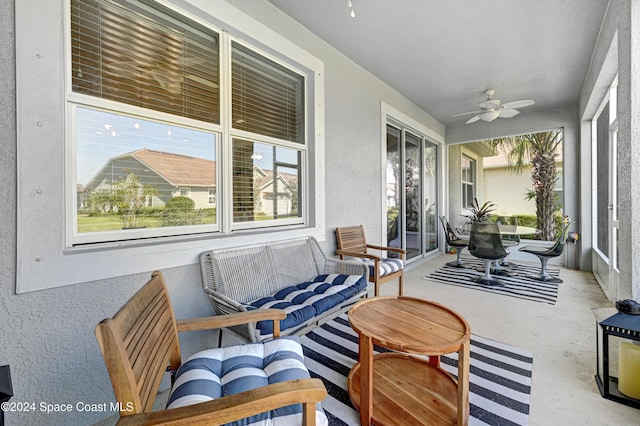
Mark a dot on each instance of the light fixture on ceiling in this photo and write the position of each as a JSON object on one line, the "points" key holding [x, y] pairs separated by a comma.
{"points": [[489, 116], [350, 6]]}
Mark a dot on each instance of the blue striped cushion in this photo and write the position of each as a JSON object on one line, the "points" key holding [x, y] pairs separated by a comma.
{"points": [[212, 373], [386, 266], [307, 300]]}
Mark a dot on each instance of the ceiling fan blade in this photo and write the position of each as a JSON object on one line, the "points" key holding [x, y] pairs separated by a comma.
{"points": [[473, 119], [489, 116], [518, 104], [466, 113], [508, 113]]}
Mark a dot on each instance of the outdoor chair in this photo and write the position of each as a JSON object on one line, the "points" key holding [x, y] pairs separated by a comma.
{"points": [[352, 246], [140, 344], [454, 240], [485, 243], [546, 253]]}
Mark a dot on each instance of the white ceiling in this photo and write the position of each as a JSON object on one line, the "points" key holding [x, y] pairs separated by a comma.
{"points": [[444, 54]]}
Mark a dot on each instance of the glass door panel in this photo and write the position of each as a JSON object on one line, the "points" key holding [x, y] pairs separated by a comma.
{"points": [[413, 198], [394, 187], [430, 184]]}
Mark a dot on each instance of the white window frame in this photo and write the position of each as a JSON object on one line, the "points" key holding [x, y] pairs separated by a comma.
{"points": [[465, 183], [41, 69]]}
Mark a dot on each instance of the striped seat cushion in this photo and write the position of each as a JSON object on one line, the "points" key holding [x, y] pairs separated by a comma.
{"points": [[213, 373], [387, 266], [304, 301]]}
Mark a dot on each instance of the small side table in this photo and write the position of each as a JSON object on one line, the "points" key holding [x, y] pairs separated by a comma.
{"points": [[398, 388]]}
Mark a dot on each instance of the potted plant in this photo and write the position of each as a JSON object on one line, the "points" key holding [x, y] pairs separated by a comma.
{"points": [[479, 213]]}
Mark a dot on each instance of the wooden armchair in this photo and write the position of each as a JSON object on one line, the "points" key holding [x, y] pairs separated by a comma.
{"points": [[140, 343], [352, 245]]}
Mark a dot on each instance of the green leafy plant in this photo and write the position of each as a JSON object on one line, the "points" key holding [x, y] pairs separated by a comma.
{"points": [[479, 213], [131, 194]]}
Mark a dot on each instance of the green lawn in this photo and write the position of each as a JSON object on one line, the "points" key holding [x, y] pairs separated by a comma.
{"points": [[104, 223]]}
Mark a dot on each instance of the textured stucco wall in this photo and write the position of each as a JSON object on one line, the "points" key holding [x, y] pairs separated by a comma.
{"points": [[620, 29]]}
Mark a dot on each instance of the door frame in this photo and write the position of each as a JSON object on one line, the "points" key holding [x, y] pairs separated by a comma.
{"points": [[394, 117], [605, 266]]}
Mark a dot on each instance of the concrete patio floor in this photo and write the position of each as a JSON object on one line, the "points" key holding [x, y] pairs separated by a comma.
{"points": [[561, 337]]}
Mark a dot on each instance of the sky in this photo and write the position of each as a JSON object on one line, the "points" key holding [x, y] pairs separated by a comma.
{"points": [[102, 135]]}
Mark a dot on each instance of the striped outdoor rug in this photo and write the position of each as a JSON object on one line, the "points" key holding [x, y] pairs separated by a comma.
{"points": [[517, 285], [499, 385]]}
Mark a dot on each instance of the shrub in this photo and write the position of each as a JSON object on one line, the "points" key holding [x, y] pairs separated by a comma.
{"points": [[180, 211]]}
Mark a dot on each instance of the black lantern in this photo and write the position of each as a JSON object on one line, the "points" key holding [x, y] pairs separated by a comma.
{"points": [[6, 390], [618, 377]]}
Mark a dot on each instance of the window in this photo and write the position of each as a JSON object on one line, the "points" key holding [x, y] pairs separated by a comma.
{"points": [[266, 183], [468, 180], [146, 115], [175, 101]]}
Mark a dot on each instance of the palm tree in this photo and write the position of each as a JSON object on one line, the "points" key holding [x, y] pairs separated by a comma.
{"points": [[540, 150]]}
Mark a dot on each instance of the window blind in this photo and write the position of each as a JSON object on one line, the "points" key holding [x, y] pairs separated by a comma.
{"points": [[267, 98], [146, 57]]}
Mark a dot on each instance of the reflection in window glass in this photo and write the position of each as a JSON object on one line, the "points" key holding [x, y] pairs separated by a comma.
{"points": [[134, 173], [430, 179], [143, 56], [468, 181], [266, 182]]}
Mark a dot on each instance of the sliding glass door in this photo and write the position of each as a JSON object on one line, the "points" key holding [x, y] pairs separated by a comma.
{"points": [[605, 191], [411, 191]]}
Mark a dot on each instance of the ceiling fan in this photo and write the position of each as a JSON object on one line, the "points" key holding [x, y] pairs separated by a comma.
{"points": [[490, 109]]}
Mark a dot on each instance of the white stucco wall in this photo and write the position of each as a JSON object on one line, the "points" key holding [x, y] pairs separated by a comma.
{"points": [[618, 51]]}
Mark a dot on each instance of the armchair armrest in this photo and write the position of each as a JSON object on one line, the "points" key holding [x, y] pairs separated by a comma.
{"points": [[238, 406], [354, 254], [394, 249], [222, 321]]}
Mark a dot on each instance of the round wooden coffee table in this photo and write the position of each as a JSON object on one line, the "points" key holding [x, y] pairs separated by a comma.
{"points": [[397, 388]]}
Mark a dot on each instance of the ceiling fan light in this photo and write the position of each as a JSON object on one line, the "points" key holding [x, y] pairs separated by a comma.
{"points": [[489, 116]]}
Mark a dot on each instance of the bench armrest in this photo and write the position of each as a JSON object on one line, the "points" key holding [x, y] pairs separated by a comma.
{"points": [[335, 266]]}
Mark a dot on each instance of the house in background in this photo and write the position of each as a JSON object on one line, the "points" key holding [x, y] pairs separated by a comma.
{"points": [[511, 198], [171, 175], [274, 194]]}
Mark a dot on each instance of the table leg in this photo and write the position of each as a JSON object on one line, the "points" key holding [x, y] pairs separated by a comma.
{"points": [[366, 379], [434, 360], [463, 384]]}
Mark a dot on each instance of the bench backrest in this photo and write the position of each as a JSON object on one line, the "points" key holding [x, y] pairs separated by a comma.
{"points": [[246, 273]]}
